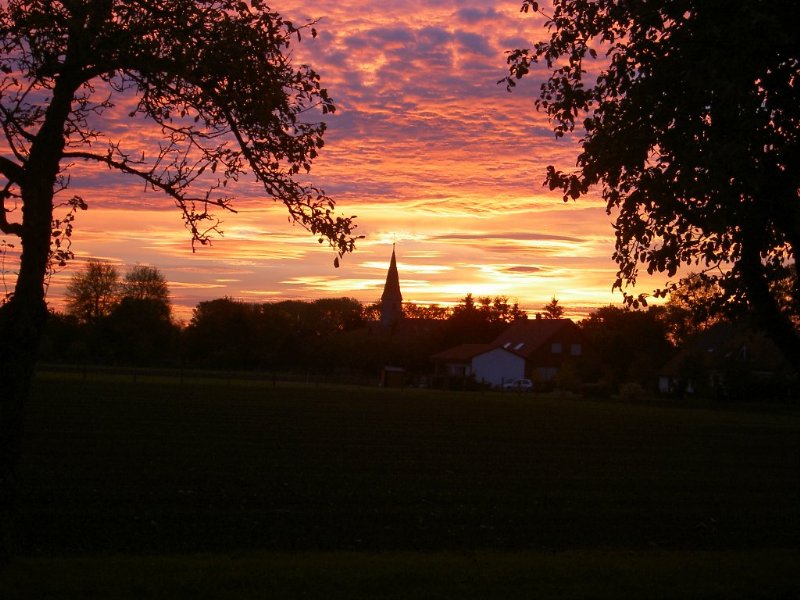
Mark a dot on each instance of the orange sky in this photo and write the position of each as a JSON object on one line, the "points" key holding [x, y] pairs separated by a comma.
{"points": [[425, 148]]}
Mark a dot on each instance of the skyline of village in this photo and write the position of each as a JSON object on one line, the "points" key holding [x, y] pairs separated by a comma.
{"points": [[182, 312]]}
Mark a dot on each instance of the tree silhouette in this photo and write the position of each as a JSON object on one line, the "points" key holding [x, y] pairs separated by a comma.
{"points": [[144, 282], [138, 331], [481, 319], [693, 305], [211, 80], [689, 128], [93, 292], [552, 310], [146, 286], [625, 345]]}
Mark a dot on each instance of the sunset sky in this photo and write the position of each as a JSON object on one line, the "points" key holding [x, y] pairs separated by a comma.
{"points": [[425, 148]]}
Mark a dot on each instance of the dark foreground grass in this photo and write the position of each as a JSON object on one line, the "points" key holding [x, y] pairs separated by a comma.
{"points": [[767, 575], [403, 487]]}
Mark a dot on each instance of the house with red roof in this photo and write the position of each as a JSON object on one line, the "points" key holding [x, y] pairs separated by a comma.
{"points": [[533, 349]]}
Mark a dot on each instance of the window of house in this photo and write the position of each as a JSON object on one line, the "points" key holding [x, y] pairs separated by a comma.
{"points": [[575, 349], [555, 347]]}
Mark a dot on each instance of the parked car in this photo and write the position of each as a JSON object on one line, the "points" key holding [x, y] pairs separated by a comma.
{"points": [[520, 385]]}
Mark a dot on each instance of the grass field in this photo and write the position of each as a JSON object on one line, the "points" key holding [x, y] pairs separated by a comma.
{"points": [[147, 487]]}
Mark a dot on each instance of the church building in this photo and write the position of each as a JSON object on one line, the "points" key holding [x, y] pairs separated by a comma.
{"points": [[392, 299]]}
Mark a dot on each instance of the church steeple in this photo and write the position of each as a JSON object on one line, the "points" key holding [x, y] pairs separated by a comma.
{"points": [[392, 299]]}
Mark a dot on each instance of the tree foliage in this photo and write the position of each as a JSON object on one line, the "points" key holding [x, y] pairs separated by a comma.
{"points": [[694, 305], [138, 331], [128, 321], [226, 333], [687, 116], [93, 292], [626, 346], [433, 312], [145, 282], [552, 310], [213, 76], [97, 290], [481, 319]]}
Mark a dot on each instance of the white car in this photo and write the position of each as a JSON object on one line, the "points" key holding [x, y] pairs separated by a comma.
{"points": [[520, 385]]}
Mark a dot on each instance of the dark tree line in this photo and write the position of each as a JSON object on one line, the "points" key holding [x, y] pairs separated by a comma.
{"points": [[625, 346], [625, 349], [114, 320], [107, 323], [225, 333], [341, 334]]}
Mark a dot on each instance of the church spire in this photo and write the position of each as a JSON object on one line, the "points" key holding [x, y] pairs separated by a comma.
{"points": [[392, 299]]}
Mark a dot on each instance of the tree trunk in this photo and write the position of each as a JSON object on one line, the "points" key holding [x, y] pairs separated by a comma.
{"points": [[21, 326], [776, 323], [22, 322], [22, 319]]}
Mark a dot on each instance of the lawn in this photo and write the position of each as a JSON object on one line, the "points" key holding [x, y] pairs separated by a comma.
{"points": [[478, 489]]}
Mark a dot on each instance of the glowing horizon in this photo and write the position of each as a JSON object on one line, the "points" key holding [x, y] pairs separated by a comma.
{"points": [[425, 148]]}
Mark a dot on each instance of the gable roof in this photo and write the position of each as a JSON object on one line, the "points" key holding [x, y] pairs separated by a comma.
{"points": [[526, 336]]}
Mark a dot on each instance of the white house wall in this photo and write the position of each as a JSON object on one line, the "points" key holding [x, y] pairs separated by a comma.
{"points": [[498, 366]]}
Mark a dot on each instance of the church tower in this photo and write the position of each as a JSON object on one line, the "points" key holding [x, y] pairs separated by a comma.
{"points": [[392, 299]]}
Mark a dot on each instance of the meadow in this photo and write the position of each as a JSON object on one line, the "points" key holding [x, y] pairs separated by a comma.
{"points": [[225, 488]]}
